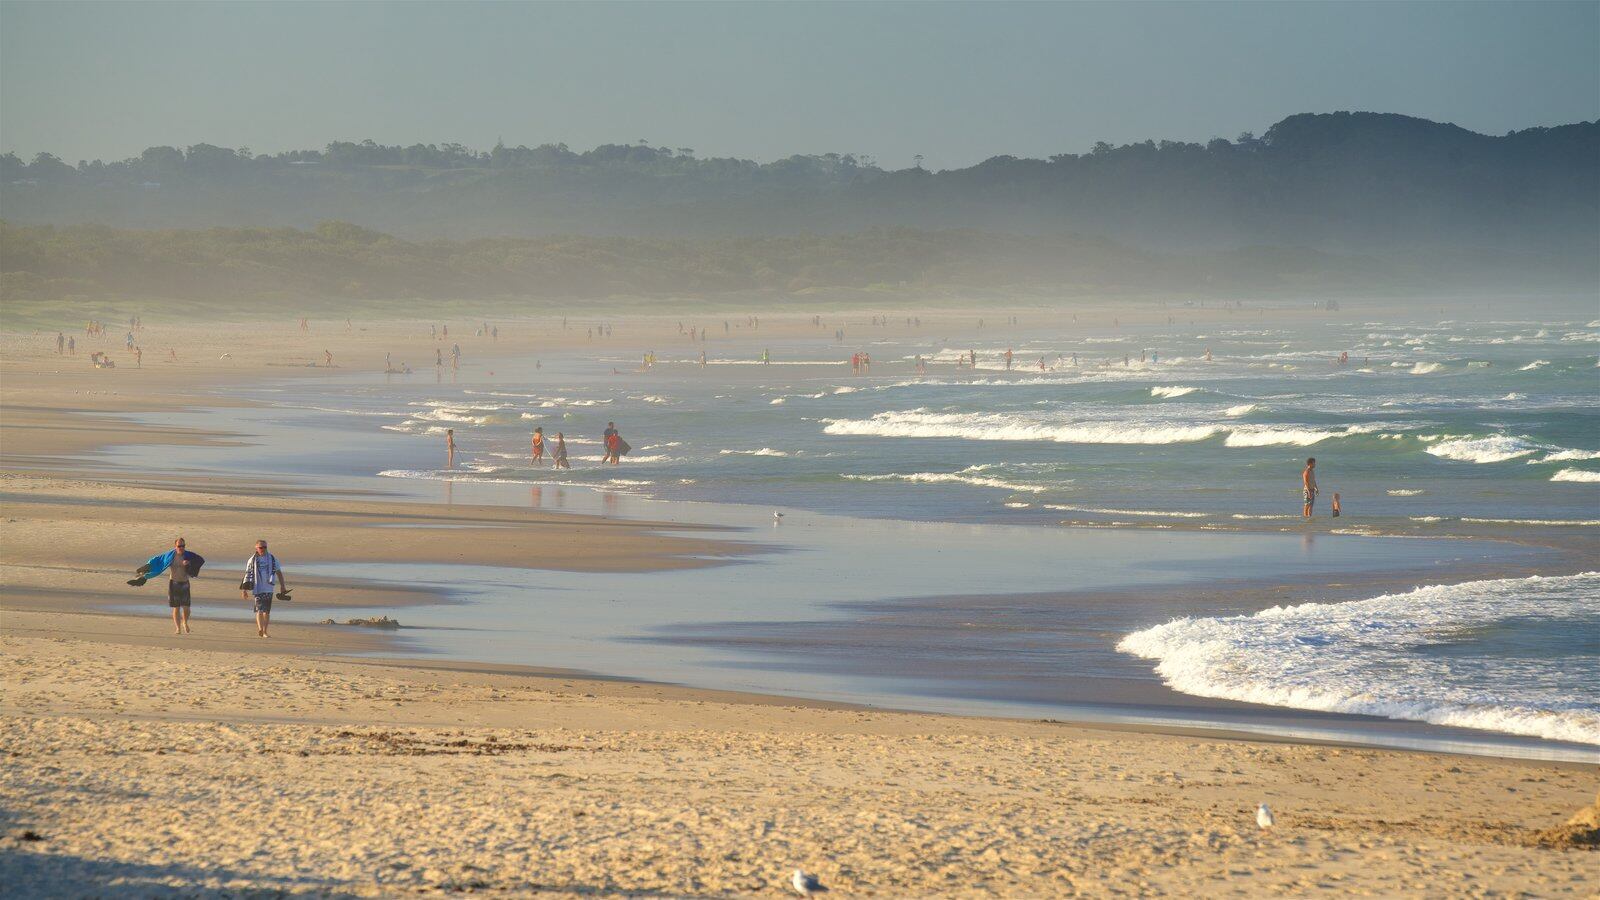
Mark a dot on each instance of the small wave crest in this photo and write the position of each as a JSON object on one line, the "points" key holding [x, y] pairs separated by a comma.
{"points": [[1492, 449], [1580, 475]]}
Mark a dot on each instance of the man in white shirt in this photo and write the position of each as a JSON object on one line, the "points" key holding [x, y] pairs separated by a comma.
{"points": [[261, 573]]}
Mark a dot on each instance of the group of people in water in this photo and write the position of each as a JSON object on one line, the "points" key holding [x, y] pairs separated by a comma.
{"points": [[613, 445]]}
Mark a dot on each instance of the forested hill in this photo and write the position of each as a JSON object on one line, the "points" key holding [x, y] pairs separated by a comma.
{"points": [[1340, 182]]}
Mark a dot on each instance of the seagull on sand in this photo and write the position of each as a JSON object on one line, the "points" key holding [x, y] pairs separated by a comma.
{"points": [[777, 516], [1263, 816], [806, 885]]}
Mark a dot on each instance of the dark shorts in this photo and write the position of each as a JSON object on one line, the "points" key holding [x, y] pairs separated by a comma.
{"points": [[263, 603], [177, 594], [1311, 497]]}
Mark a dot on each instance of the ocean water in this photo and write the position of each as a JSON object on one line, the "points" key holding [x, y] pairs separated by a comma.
{"points": [[1429, 428], [1426, 424]]}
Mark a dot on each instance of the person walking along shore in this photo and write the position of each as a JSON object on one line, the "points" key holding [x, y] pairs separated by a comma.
{"points": [[183, 566], [261, 573]]}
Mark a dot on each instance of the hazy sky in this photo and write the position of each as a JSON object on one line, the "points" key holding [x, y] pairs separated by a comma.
{"points": [[956, 82]]}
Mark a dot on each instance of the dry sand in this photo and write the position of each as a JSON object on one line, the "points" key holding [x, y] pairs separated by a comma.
{"points": [[148, 769], [152, 765]]}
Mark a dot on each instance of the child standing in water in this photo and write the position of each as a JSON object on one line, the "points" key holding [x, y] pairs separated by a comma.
{"points": [[538, 445]]}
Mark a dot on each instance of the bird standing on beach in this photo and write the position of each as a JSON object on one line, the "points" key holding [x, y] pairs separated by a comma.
{"points": [[1264, 816], [806, 885], [777, 516]]}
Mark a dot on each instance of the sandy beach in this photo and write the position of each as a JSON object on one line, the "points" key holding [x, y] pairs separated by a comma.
{"points": [[325, 761]]}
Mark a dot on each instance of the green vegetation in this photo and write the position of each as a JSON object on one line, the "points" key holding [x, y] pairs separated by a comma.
{"points": [[50, 274], [1341, 183]]}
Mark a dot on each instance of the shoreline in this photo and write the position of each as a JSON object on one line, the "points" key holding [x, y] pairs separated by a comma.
{"points": [[136, 762], [492, 528]]}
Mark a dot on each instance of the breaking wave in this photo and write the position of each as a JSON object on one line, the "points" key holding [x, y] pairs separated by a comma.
{"points": [[1404, 656]]}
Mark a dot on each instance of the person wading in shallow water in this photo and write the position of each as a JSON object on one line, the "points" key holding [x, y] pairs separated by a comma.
{"points": [[1308, 481]]}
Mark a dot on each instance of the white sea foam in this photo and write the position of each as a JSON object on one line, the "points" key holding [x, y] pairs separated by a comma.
{"points": [[1371, 657], [1566, 456], [1024, 427], [1405, 492], [764, 451], [1003, 427], [1243, 409], [1581, 475], [1176, 390], [1426, 368], [1151, 513], [1557, 522], [1496, 448], [777, 401], [952, 478], [1536, 364]]}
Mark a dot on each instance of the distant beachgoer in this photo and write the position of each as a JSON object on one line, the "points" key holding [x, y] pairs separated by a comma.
{"points": [[182, 566], [702, 359], [261, 574], [438, 357], [61, 343], [433, 332], [561, 452], [1008, 359], [128, 341], [766, 357], [327, 358], [387, 365], [605, 440], [72, 346], [450, 445], [538, 445], [1308, 480], [1338, 510], [1208, 354], [615, 447], [138, 357]]}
